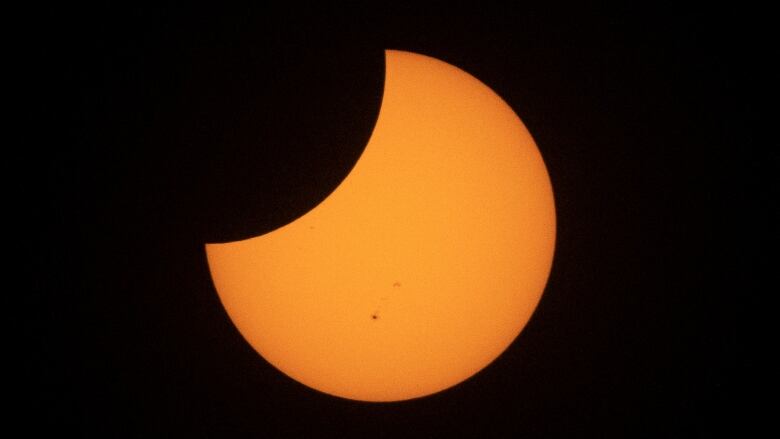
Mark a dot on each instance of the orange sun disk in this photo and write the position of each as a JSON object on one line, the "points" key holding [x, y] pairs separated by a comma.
{"points": [[422, 267]]}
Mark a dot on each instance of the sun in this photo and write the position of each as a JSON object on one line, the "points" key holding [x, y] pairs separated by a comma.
{"points": [[422, 267]]}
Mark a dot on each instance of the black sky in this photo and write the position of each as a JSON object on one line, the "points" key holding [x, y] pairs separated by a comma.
{"points": [[180, 127]]}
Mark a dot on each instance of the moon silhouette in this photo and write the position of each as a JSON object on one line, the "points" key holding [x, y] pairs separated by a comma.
{"points": [[423, 265]]}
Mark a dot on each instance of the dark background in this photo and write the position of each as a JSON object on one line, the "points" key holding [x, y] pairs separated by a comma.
{"points": [[166, 129]]}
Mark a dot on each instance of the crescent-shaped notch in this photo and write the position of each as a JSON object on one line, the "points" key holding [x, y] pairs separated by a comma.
{"points": [[422, 266], [289, 123]]}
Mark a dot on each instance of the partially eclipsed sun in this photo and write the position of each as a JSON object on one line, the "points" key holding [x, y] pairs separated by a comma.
{"points": [[422, 266]]}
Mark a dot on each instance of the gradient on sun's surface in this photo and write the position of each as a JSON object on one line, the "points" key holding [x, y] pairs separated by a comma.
{"points": [[422, 266]]}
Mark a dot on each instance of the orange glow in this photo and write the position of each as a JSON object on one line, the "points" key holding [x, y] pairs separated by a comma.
{"points": [[422, 266]]}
